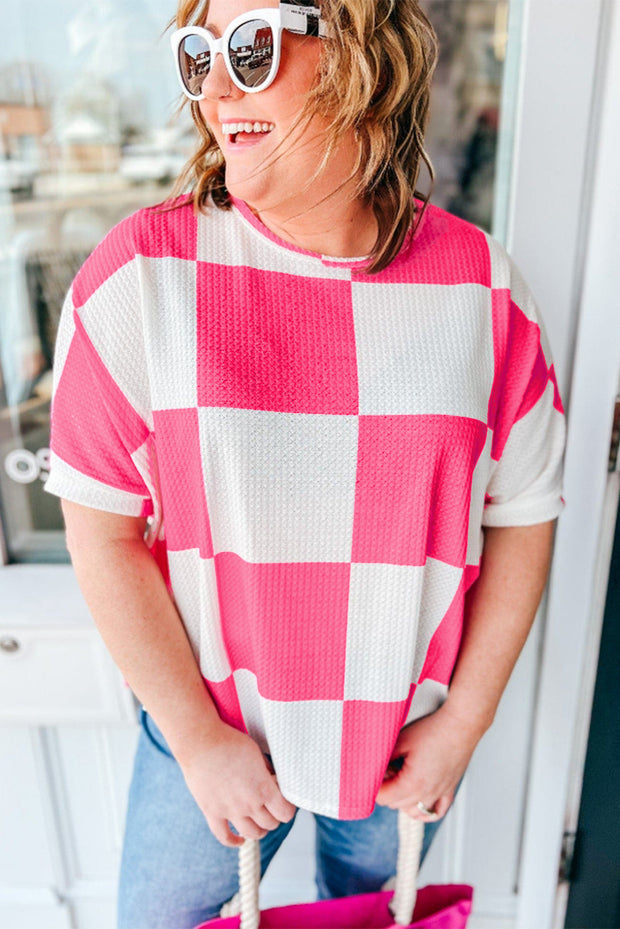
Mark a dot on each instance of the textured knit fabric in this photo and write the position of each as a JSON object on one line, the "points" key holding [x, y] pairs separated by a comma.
{"points": [[317, 450]]}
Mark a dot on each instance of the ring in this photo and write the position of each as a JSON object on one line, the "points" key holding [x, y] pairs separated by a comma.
{"points": [[426, 811]]}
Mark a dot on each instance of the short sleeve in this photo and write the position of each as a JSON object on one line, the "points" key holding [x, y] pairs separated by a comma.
{"points": [[101, 448], [525, 484]]}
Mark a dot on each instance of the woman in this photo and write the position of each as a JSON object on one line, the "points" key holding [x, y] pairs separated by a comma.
{"points": [[280, 462]]}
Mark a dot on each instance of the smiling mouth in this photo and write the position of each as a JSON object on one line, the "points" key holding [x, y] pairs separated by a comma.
{"points": [[246, 133]]}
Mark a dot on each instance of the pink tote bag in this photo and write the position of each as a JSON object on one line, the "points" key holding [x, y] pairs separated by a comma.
{"points": [[437, 906]]}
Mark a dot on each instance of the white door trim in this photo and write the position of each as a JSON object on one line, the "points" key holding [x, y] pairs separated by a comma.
{"points": [[565, 239]]}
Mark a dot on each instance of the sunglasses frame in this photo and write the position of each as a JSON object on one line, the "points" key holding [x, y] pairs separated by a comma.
{"points": [[271, 15]]}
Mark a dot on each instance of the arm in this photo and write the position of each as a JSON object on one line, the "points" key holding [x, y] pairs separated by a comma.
{"points": [[224, 769], [140, 626], [500, 608]]}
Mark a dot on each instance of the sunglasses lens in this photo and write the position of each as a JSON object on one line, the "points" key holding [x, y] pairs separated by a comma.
{"points": [[194, 61], [251, 50]]}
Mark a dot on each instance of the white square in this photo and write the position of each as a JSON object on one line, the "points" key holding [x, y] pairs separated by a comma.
{"points": [[526, 483], [424, 348], [170, 322], [64, 336], [195, 591], [505, 275], [280, 487], [305, 739], [250, 702], [388, 640], [439, 586], [65, 481], [500, 264], [479, 482], [381, 631], [112, 318], [230, 239], [427, 697]]}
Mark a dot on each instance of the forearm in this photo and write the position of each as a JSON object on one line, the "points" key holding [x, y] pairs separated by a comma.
{"points": [[141, 628], [500, 608]]}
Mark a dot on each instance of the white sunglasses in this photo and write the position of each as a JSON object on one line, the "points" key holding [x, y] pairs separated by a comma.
{"points": [[250, 45]]}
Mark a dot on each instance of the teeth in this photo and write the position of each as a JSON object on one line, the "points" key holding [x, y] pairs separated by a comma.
{"points": [[232, 128]]}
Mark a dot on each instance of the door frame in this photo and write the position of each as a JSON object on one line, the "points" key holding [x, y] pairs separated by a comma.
{"points": [[565, 200]]}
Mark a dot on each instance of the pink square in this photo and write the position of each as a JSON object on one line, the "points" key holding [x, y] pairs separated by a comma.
{"points": [[142, 233], [171, 234], [521, 373], [289, 658], [272, 341], [224, 695], [367, 744], [443, 647], [413, 488], [186, 518], [94, 428], [114, 251], [444, 250]]}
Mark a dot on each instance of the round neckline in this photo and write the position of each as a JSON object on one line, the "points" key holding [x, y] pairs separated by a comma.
{"points": [[246, 214]]}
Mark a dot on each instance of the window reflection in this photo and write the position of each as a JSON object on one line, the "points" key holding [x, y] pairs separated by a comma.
{"points": [[87, 137]]}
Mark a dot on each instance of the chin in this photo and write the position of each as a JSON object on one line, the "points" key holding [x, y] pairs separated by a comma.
{"points": [[254, 192]]}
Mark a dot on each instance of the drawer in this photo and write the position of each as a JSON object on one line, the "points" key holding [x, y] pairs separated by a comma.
{"points": [[59, 675]]}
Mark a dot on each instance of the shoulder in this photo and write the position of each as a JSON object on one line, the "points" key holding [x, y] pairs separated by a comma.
{"points": [[467, 253], [151, 231], [444, 249], [450, 250], [167, 229], [471, 251]]}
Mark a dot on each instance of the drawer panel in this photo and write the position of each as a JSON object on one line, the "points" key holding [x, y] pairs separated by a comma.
{"points": [[52, 676]]}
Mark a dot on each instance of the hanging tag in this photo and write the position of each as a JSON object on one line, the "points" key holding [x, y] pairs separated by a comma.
{"points": [[303, 17]]}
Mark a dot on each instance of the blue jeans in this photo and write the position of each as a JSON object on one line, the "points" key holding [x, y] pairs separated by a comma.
{"points": [[175, 874]]}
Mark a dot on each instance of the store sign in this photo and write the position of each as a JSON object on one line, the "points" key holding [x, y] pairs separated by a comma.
{"points": [[24, 466]]}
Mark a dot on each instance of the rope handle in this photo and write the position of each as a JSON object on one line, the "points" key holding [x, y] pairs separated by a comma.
{"points": [[401, 906]]}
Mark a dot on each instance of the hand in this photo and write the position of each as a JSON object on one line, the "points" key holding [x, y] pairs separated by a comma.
{"points": [[231, 780], [436, 750]]}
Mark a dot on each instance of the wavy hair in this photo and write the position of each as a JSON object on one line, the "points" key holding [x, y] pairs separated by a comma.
{"points": [[374, 77]]}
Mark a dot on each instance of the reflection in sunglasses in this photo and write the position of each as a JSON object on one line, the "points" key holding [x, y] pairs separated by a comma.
{"points": [[250, 55]]}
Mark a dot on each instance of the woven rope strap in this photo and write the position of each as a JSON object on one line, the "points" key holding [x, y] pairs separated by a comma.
{"points": [[401, 906]]}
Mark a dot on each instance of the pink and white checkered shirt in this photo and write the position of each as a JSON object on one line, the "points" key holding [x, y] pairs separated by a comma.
{"points": [[317, 450]]}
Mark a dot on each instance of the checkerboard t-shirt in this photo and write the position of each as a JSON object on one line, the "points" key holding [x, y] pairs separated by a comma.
{"points": [[317, 450]]}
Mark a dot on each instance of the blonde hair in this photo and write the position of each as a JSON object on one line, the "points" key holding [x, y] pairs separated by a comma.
{"points": [[374, 77]]}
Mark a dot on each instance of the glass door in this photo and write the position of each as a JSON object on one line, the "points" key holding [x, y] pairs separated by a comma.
{"points": [[87, 136]]}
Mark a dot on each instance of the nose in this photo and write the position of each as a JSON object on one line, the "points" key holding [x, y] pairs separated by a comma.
{"points": [[217, 82]]}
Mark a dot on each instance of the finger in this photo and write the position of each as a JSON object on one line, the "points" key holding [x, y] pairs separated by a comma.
{"points": [[416, 813], [443, 804], [265, 819], [247, 828], [438, 809], [223, 833], [278, 805]]}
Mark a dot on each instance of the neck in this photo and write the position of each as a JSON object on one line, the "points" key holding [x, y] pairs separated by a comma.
{"points": [[339, 227]]}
